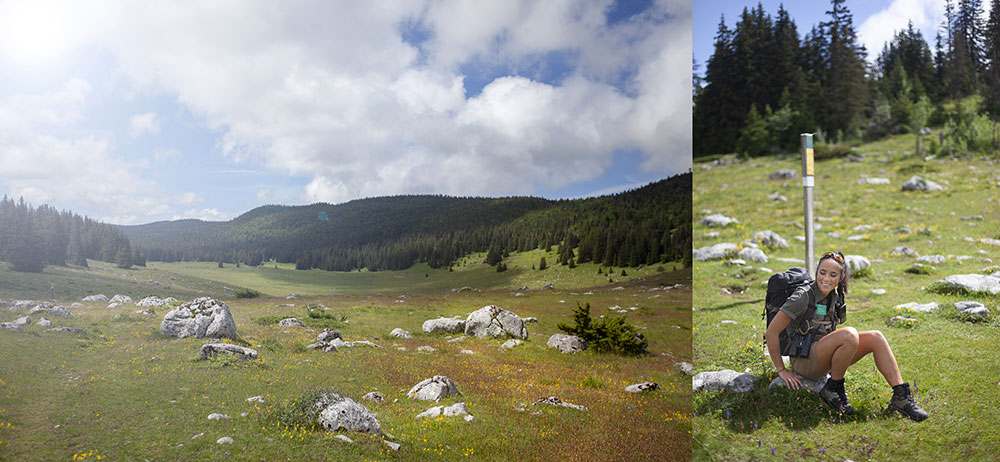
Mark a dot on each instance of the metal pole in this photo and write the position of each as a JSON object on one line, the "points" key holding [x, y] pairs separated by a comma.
{"points": [[808, 183]]}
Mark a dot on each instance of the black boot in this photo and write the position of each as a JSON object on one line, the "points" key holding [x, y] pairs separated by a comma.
{"points": [[902, 402], [834, 395]]}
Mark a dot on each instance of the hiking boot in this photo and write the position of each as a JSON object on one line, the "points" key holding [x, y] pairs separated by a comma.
{"points": [[833, 395], [902, 402]]}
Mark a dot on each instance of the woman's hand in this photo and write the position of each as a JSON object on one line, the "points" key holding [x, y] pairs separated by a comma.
{"points": [[791, 380]]}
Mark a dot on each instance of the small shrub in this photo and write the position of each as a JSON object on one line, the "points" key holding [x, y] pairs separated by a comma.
{"points": [[246, 293], [267, 320], [301, 412], [318, 317], [917, 268], [862, 273], [591, 382], [606, 335]]}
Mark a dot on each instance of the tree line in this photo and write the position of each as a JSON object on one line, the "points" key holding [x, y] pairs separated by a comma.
{"points": [[643, 226], [763, 86], [31, 238]]}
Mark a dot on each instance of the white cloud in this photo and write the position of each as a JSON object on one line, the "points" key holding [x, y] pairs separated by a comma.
{"points": [[331, 92], [878, 29], [144, 123], [211, 214], [188, 198]]}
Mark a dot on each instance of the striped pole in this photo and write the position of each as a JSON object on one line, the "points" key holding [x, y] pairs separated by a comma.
{"points": [[808, 183]]}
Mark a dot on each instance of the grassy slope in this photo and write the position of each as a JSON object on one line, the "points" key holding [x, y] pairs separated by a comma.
{"points": [[109, 397], [945, 356]]}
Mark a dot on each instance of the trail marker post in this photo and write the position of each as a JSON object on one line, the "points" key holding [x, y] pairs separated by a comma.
{"points": [[808, 182]]}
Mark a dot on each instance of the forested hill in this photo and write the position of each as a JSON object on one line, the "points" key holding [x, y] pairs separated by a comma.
{"points": [[647, 225]]}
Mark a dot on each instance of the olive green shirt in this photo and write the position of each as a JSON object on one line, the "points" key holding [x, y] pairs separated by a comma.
{"points": [[798, 304]]}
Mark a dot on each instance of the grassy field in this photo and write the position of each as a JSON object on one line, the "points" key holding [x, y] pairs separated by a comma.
{"points": [[944, 355], [125, 392]]}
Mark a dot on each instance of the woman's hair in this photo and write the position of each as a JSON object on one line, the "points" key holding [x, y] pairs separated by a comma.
{"points": [[845, 276]]}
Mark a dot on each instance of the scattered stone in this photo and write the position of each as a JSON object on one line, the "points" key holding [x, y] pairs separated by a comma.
{"points": [[770, 239], [777, 197], [861, 228], [199, 318], [878, 291], [548, 287], [754, 255], [76, 305], [900, 321], [465, 289], [715, 252], [400, 333], [343, 438], [685, 367], [644, 386], [434, 388], [903, 230], [291, 322], [973, 283], [391, 445], [426, 348], [446, 325], [495, 322], [74, 330], [11, 326], [972, 308], [328, 335], [918, 183], [932, 259], [224, 440], [22, 321], [122, 299], [453, 410], [217, 416], [856, 263], [95, 298], [44, 322], [989, 241], [718, 220], [146, 312], [553, 401], [467, 352], [873, 180], [567, 344], [812, 385], [530, 320], [918, 307], [511, 344], [903, 251], [343, 412], [735, 262], [728, 321], [292, 296], [199, 435], [374, 396], [57, 311], [783, 174], [727, 379], [457, 339], [973, 218], [214, 349], [152, 301], [256, 399]]}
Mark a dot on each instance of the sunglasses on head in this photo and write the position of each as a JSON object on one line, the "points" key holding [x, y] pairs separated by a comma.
{"points": [[834, 255]]}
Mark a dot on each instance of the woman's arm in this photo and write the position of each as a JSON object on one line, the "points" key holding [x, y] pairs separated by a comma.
{"points": [[778, 324]]}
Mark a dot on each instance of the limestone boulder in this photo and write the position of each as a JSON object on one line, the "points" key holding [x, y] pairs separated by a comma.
{"points": [[119, 298], [495, 322], [770, 239], [291, 322], [57, 311], [726, 379], [22, 321], [210, 350], [856, 263], [972, 308], [434, 388], [11, 326], [328, 335], [971, 283], [567, 344], [151, 301], [199, 318], [752, 254], [813, 385], [918, 307], [341, 412], [640, 387], [95, 298], [400, 333], [718, 219], [445, 325], [919, 183], [715, 252]]}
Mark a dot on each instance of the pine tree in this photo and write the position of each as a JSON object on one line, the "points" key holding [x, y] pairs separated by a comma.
{"points": [[991, 78], [843, 80]]}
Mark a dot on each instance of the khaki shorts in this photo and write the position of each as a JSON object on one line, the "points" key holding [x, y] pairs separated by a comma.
{"points": [[808, 367]]}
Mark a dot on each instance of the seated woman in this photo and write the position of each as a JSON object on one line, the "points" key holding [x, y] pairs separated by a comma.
{"points": [[833, 350]]}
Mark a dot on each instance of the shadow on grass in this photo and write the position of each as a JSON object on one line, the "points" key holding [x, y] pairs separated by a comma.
{"points": [[734, 305], [796, 409]]}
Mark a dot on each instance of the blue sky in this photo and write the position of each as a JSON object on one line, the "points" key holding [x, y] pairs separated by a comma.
{"points": [[876, 21], [134, 112]]}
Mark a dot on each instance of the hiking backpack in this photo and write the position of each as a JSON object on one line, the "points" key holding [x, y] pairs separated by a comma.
{"points": [[779, 287]]}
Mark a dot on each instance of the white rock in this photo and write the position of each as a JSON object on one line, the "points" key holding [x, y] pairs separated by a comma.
{"points": [[973, 283], [644, 386], [212, 349], [727, 379], [715, 252], [856, 263], [122, 299], [400, 333], [426, 348], [878, 291], [972, 308], [291, 322], [152, 301], [434, 388], [344, 438], [343, 412], [718, 219], [467, 352], [224, 440], [256, 399], [511, 344], [754, 255], [918, 307], [494, 322], [217, 416], [202, 317], [445, 325], [567, 344], [95, 298]]}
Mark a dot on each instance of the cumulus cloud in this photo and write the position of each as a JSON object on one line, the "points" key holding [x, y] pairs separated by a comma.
{"points": [[341, 98], [211, 214], [878, 29], [141, 124]]}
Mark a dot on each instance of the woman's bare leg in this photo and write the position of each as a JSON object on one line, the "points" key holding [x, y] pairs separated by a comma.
{"points": [[837, 350], [872, 341]]}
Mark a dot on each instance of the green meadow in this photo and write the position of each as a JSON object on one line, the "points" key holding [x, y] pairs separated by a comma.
{"points": [[948, 359], [125, 392]]}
